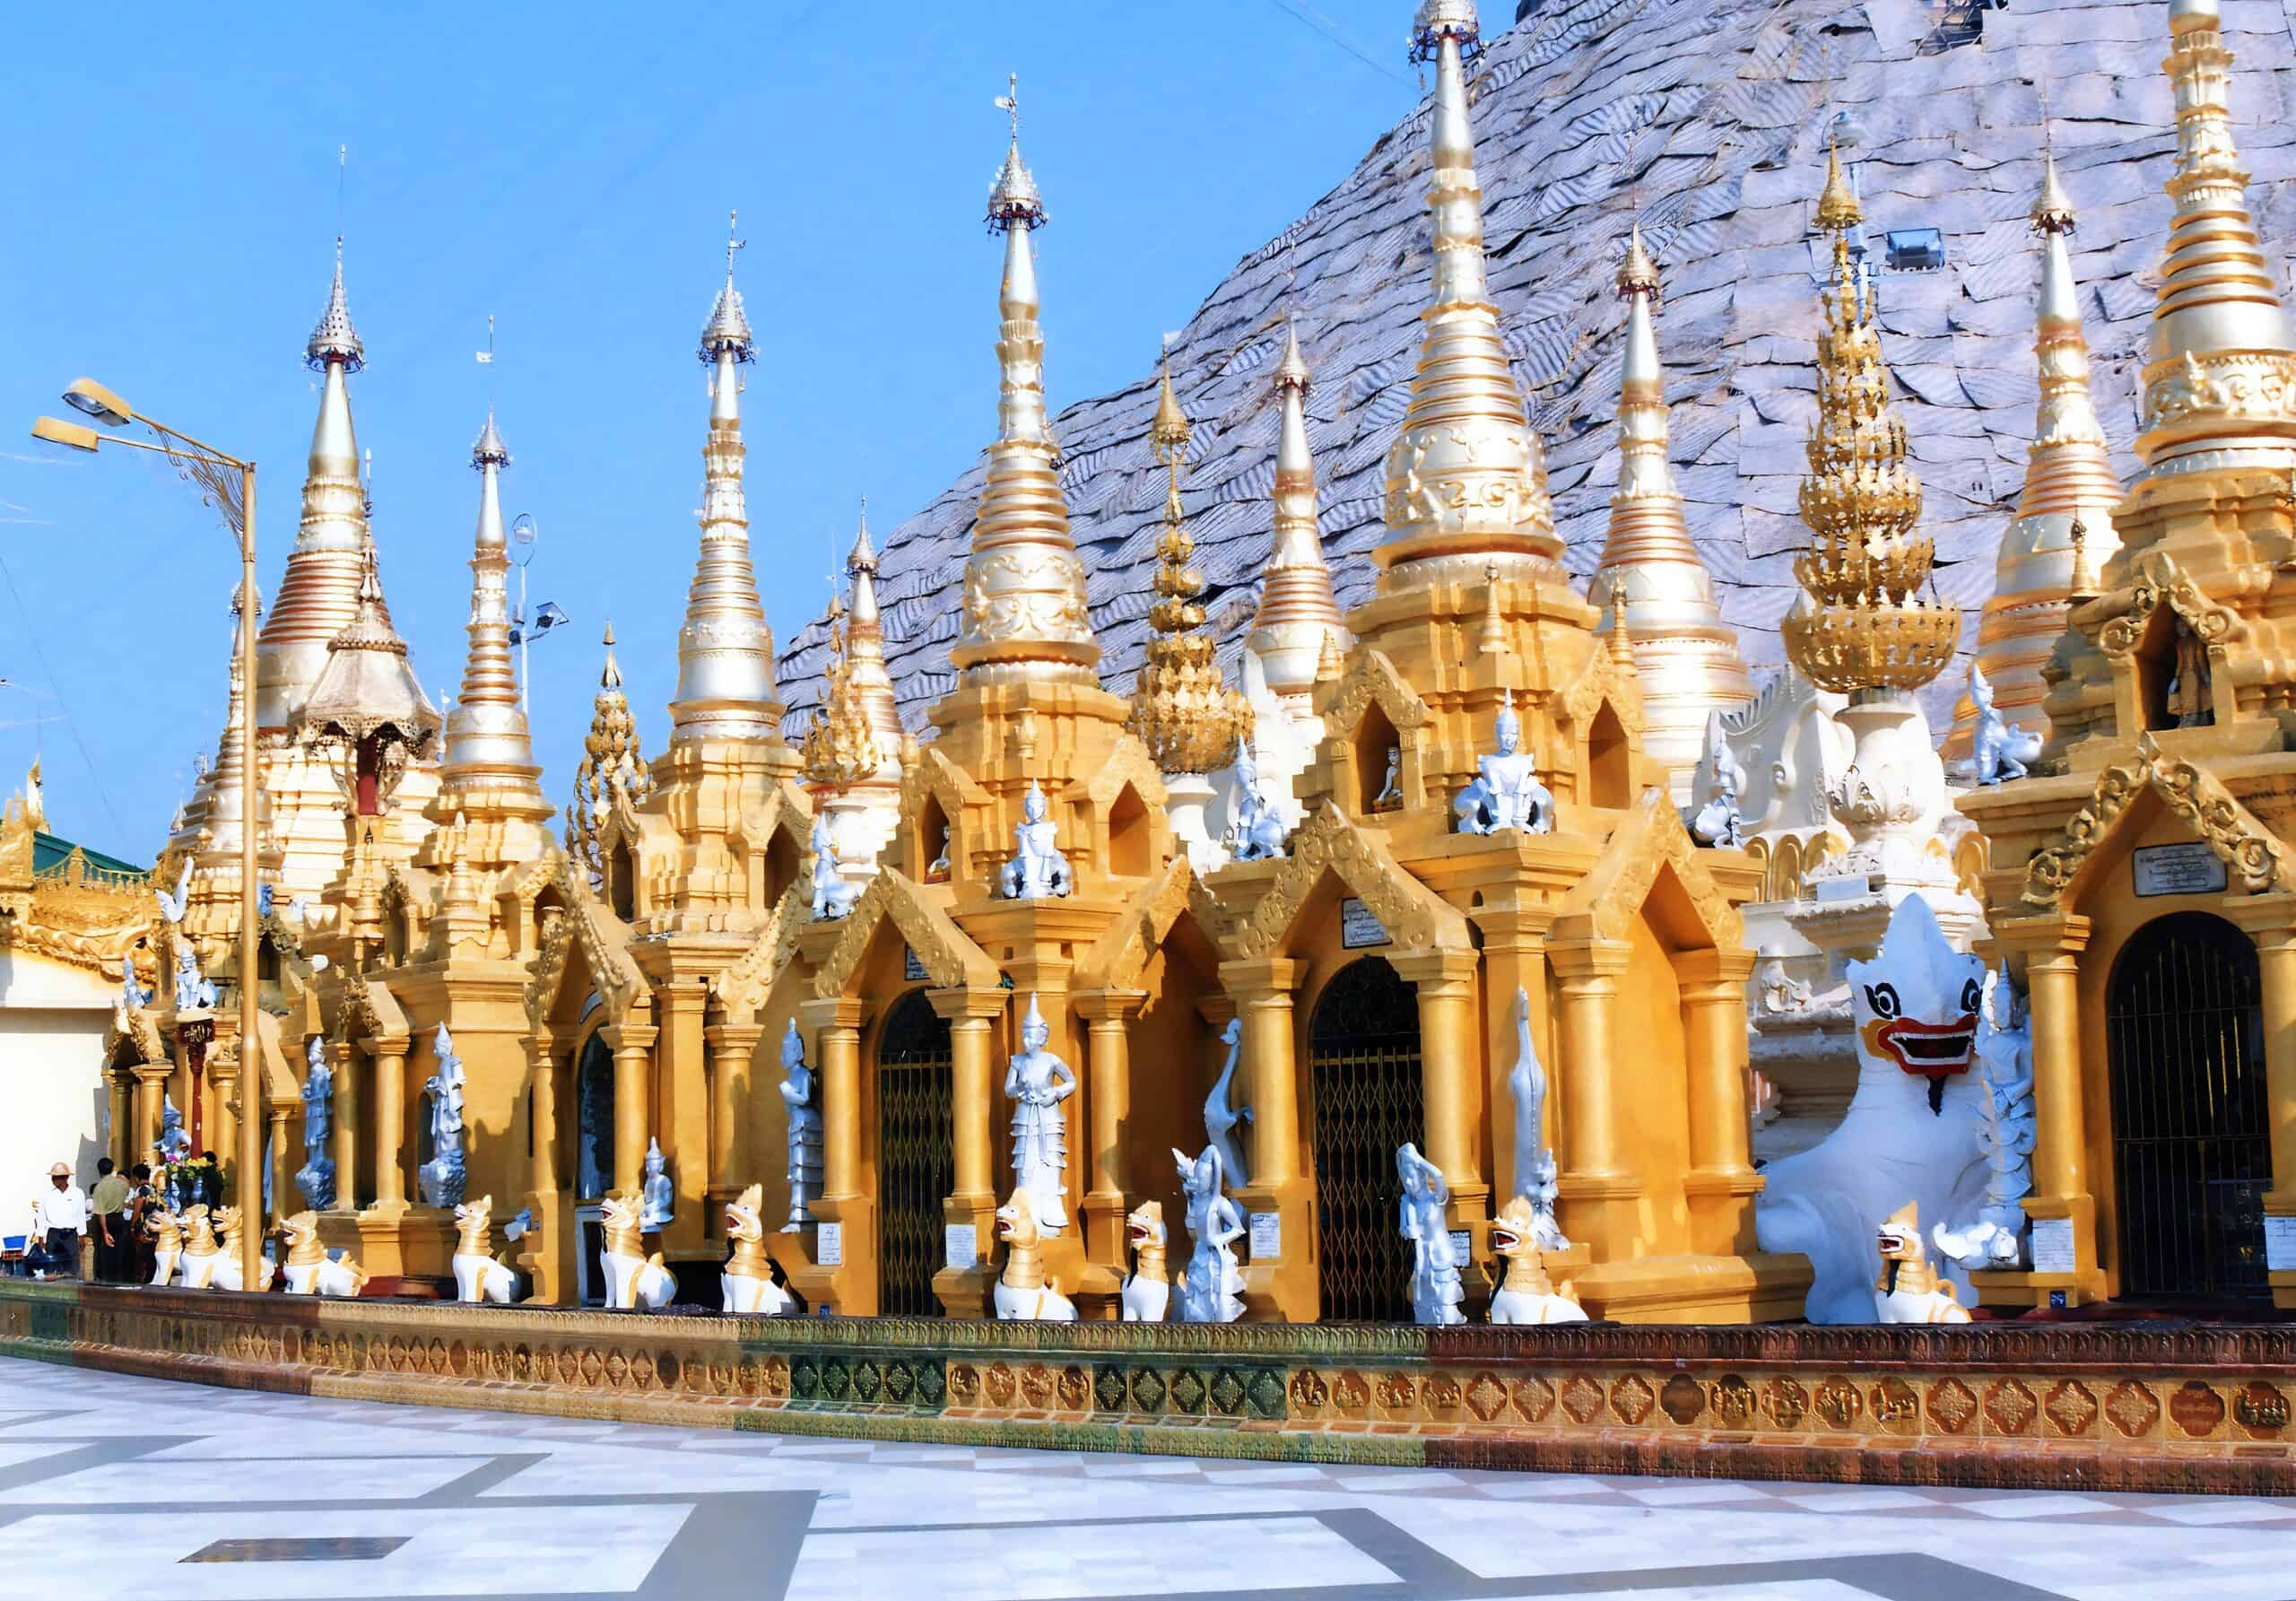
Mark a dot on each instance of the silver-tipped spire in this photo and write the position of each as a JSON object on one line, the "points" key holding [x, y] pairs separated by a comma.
{"points": [[334, 341], [727, 331]]}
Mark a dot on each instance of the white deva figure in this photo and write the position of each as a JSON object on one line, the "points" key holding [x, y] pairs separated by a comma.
{"points": [[1505, 792], [1211, 1286], [1037, 1081], [1037, 868], [805, 1130], [1436, 1292]]}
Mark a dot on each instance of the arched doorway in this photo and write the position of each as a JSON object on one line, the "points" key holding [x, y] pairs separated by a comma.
{"points": [[2191, 1147], [1364, 1083], [594, 1173], [916, 1154]]}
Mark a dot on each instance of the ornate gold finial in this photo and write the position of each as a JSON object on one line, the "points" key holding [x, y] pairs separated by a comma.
{"points": [[1837, 207], [1187, 718], [1330, 664], [1024, 613], [865, 642], [2220, 377], [1298, 617], [840, 746], [611, 767], [1465, 477], [1867, 627], [1637, 273]]}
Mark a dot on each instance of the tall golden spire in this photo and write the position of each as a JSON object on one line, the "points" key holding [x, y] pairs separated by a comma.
{"points": [[864, 644], [1297, 613], [1862, 624], [1188, 720], [488, 748], [1024, 612], [318, 594], [611, 766], [2069, 480], [726, 687], [1466, 478], [1684, 655], [2220, 383]]}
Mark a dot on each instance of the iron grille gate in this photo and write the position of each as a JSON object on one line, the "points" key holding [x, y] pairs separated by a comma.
{"points": [[1363, 1057], [2190, 1141], [916, 1155]]}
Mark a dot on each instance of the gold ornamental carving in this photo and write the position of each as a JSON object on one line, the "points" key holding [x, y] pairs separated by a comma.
{"points": [[1611, 895], [2156, 577], [1373, 680], [548, 965], [619, 982], [1414, 917], [1120, 956], [2252, 853], [743, 987], [1606, 679], [948, 954]]}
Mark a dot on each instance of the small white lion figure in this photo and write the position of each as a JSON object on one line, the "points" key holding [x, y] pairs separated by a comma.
{"points": [[1909, 1289], [1023, 1294], [166, 1229], [200, 1251], [1526, 1294], [1147, 1293], [478, 1275], [309, 1270], [633, 1279], [746, 1282], [226, 1274]]}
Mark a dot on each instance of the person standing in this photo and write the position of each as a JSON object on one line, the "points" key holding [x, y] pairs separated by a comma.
{"points": [[140, 1252], [60, 1221], [109, 1202]]}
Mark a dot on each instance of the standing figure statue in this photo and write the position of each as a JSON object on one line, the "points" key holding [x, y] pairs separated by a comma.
{"points": [[1436, 1292], [1718, 822], [833, 894], [442, 1176], [175, 1144], [657, 1201], [2005, 1134], [133, 996], [1211, 1286], [1535, 1169], [1996, 751], [316, 1177], [193, 992], [1506, 792], [805, 1130], [1221, 1117], [1036, 1082], [1037, 868], [1255, 833]]}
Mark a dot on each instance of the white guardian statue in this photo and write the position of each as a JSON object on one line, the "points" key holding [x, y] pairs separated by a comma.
{"points": [[316, 1177], [657, 1198], [1436, 1292], [442, 1177], [1505, 792], [833, 894], [1211, 1286], [1036, 1082], [805, 1130], [2004, 1050], [1036, 869], [1220, 1115], [1535, 1169]]}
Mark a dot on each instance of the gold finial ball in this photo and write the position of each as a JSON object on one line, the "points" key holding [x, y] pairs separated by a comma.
{"points": [[2193, 16]]}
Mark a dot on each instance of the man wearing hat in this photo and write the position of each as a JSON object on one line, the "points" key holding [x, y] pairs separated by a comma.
{"points": [[59, 1219]]}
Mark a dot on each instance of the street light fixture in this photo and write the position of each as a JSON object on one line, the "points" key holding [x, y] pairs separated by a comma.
{"points": [[228, 485]]}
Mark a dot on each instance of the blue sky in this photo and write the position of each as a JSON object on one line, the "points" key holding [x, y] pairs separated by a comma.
{"points": [[170, 205]]}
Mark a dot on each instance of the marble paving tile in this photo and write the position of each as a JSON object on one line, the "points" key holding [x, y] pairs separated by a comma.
{"points": [[307, 1478]]}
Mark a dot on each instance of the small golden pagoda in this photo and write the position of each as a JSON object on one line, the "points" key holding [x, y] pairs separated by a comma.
{"points": [[2143, 883]]}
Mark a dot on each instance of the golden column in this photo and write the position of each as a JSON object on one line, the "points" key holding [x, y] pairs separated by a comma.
{"points": [[1722, 1182], [2052, 947], [1450, 1052], [282, 1166], [1597, 1191], [390, 1121], [1262, 988], [2270, 921], [343, 1061], [837, 1050], [1109, 1067], [543, 1130], [121, 1146], [151, 1085], [632, 1044], [731, 1047]]}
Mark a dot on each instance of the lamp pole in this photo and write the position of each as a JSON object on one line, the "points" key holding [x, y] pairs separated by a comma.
{"points": [[215, 472]]}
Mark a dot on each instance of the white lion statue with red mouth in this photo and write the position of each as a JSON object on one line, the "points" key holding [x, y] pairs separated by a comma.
{"points": [[1914, 1126]]}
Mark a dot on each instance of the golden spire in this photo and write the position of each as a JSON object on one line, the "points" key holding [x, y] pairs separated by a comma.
{"points": [[840, 748], [1659, 593], [1867, 627], [725, 688], [2069, 485], [2219, 381], [611, 766], [864, 643], [1298, 616], [488, 747], [1329, 665], [222, 819], [1465, 477], [318, 593], [1024, 610], [1188, 720]]}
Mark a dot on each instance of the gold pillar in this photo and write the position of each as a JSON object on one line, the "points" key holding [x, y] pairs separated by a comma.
{"points": [[120, 1148], [285, 1196], [390, 1121], [343, 1061], [2271, 921], [1107, 1014], [1722, 1182], [1598, 1192], [731, 1047], [1284, 1285], [543, 1177], [836, 1053], [1450, 1069], [2052, 948], [682, 1120], [972, 1014], [151, 1085], [1514, 957], [631, 1043]]}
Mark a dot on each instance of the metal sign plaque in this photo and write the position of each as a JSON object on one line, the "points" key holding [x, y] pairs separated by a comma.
{"points": [[1357, 926], [2187, 869]]}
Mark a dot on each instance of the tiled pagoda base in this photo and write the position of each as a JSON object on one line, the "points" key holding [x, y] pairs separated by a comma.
{"points": [[2118, 1408]]}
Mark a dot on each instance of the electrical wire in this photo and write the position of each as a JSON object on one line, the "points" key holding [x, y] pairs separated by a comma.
{"points": [[1308, 16], [56, 692]]}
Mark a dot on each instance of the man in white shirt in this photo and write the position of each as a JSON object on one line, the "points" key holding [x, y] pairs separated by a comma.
{"points": [[59, 1219]]}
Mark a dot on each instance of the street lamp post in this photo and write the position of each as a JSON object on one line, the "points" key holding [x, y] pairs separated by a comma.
{"points": [[228, 485]]}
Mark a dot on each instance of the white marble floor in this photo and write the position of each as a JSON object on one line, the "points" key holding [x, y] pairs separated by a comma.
{"points": [[114, 1485]]}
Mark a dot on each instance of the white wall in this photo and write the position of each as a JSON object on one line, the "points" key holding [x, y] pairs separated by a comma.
{"points": [[52, 1023]]}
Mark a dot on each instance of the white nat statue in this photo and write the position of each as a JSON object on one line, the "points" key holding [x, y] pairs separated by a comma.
{"points": [[1221, 1116], [2004, 1052], [1436, 1290], [1036, 1082], [658, 1198], [1535, 1169], [443, 1176], [833, 894], [309, 1268], [1526, 1292], [745, 1284], [1505, 792], [1023, 1293], [1147, 1293], [633, 1279], [1391, 786], [133, 996], [1998, 750], [1909, 1289], [175, 1144], [1037, 868], [316, 1177], [1211, 1286], [1718, 822], [194, 991], [1255, 831], [479, 1274], [1912, 1129], [805, 1130]]}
